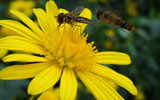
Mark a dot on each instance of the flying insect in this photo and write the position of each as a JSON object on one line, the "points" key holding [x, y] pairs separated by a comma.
{"points": [[111, 18], [73, 17]]}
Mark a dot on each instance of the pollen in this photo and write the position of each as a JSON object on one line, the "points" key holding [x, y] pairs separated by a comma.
{"points": [[68, 48]]}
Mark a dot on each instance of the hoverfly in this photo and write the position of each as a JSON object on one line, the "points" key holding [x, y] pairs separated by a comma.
{"points": [[73, 17], [109, 17]]}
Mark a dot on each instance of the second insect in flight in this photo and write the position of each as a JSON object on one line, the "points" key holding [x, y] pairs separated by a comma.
{"points": [[111, 18]]}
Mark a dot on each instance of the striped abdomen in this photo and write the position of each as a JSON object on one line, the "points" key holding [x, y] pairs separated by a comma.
{"points": [[119, 22], [124, 24]]}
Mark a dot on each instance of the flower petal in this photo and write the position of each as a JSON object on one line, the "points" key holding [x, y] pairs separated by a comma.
{"points": [[20, 44], [20, 29], [112, 84], [50, 94], [68, 85], [22, 71], [86, 13], [62, 11], [113, 58], [52, 11], [3, 52], [115, 77], [28, 22], [43, 20], [44, 80], [100, 89], [23, 58]]}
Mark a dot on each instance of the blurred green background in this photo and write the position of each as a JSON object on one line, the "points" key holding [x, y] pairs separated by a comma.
{"points": [[143, 44]]}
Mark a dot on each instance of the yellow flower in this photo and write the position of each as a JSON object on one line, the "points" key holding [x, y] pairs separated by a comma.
{"points": [[108, 44], [132, 8], [61, 53], [110, 33], [24, 6]]}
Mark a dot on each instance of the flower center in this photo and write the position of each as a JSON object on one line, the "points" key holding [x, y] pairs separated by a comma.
{"points": [[68, 48]]}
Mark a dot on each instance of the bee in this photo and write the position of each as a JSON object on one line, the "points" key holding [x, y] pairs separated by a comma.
{"points": [[73, 17], [109, 17]]}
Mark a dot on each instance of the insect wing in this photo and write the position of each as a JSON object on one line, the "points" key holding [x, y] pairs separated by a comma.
{"points": [[77, 10], [83, 20]]}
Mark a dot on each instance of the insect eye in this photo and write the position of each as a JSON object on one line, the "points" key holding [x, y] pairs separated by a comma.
{"points": [[60, 17]]}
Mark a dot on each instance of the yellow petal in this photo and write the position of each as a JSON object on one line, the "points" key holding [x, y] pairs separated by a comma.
{"points": [[22, 71], [20, 29], [43, 20], [28, 22], [113, 58], [3, 52], [63, 11], [86, 13], [45, 80], [52, 11], [115, 77], [100, 89], [112, 84], [6, 32], [23, 58], [20, 44], [51, 94], [68, 85]]}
